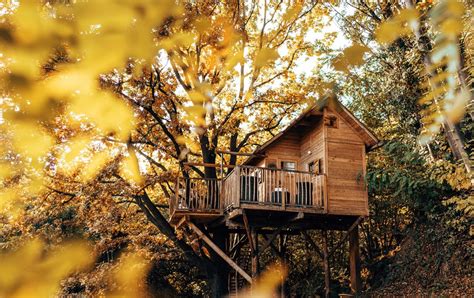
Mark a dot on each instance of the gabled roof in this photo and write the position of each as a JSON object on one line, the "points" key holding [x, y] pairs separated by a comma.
{"points": [[368, 137]]}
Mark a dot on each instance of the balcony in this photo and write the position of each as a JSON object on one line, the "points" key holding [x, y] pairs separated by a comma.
{"points": [[273, 189], [249, 187]]}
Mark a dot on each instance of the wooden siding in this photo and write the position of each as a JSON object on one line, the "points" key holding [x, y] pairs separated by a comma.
{"points": [[342, 152], [288, 145], [347, 194], [287, 148], [313, 142]]}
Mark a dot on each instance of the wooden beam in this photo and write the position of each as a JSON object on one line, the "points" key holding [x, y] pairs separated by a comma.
{"points": [[270, 239], [272, 246], [239, 153], [207, 165], [312, 243], [343, 240], [255, 263], [237, 246], [181, 222], [247, 230], [283, 256], [219, 252], [354, 260], [268, 242], [327, 272]]}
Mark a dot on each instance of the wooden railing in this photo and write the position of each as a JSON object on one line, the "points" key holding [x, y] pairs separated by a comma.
{"points": [[280, 189], [197, 195], [276, 187]]}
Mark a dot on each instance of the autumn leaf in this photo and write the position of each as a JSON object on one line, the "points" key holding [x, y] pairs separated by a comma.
{"points": [[265, 56], [355, 54], [399, 25], [351, 56], [129, 168]]}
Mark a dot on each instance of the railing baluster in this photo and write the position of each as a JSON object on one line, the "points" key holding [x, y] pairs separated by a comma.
{"points": [[251, 184]]}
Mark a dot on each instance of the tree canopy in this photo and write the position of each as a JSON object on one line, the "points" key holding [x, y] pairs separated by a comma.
{"points": [[105, 103]]}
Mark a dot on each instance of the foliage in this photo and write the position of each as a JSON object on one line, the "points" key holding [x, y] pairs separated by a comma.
{"points": [[101, 112]]}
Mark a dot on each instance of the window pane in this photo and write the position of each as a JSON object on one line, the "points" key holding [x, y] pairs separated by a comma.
{"points": [[288, 165]]}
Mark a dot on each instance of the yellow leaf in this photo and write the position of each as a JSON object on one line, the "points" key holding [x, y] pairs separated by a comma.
{"points": [[181, 39], [6, 171], [130, 276], [188, 142], [76, 148], [292, 12], [268, 282], [93, 13], [388, 32], [92, 49], [129, 169], [399, 25], [455, 7], [90, 170], [196, 114], [197, 97], [25, 63], [265, 56], [355, 54], [110, 114], [451, 27], [235, 59], [340, 64], [456, 108], [31, 25], [9, 204], [30, 140], [29, 272], [70, 81]]}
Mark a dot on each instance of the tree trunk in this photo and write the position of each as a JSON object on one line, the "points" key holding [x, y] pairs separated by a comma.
{"points": [[450, 130], [208, 155], [220, 271]]}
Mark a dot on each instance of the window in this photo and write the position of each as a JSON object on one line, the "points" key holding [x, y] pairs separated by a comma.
{"points": [[271, 164], [316, 166], [288, 165], [331, 121]]}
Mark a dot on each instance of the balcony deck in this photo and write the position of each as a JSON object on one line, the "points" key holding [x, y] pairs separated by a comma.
{"points": [[251, 188]]}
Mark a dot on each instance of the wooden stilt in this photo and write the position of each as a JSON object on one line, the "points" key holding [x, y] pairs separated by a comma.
{"points": [[283, 288], [327, 272], [354, 260], [313, 244], [255, 264]]}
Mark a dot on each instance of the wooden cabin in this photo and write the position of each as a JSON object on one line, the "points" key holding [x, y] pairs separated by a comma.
{"points": [[316, 165], [309, 176]]}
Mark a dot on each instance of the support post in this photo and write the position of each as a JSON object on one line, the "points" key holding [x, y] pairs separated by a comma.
{"points": [[255, 264], [282, 248], [354, 259], [327, 272]]}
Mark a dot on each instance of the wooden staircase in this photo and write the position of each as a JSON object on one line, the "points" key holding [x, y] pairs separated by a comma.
{"points": [[242, 257]]}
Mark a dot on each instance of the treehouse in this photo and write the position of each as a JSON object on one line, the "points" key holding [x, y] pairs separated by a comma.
{"points": [[316, 166], [309, 176]]}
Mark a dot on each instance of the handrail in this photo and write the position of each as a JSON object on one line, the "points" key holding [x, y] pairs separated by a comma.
{"points": [[251, 185], [276, 169], [280, 188]]}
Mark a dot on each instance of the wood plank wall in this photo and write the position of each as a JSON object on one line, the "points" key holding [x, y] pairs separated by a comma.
{"points": [[286, 148], [344, 163], [346, 170], [313, 142]]}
